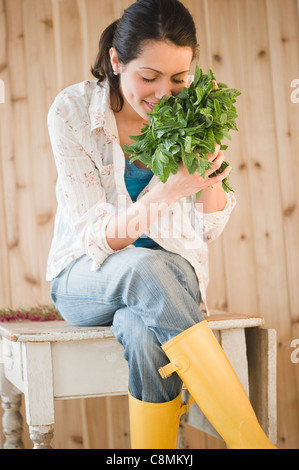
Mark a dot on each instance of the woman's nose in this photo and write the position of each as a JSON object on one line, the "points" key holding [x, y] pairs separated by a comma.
{"points": [[164, 90]]}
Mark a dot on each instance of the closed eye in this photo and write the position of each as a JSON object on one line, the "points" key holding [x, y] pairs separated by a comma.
{"points": [[153, 79], [148, 80]]}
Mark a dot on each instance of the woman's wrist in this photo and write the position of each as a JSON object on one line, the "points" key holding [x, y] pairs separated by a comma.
{"points": [[164, 193], [213, 199]]}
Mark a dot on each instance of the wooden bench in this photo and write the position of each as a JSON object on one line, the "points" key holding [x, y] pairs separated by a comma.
{"points": [[52, 360]]}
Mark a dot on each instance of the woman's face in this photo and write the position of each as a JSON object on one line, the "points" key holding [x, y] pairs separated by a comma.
{"points": [[161, 69]]}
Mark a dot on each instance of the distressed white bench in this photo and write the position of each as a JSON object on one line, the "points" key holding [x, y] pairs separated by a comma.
{"points": [[52, 360]]}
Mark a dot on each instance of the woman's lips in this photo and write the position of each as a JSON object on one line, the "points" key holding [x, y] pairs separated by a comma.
{"points": [[150, 105]]}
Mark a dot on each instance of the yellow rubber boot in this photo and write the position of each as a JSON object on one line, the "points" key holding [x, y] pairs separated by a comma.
{"points": [[199, 360], [155, 425]]}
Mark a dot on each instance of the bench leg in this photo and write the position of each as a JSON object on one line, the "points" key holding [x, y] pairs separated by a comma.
{"points": [[262, 359], [12, 420], [39, 394], [41, 436]]}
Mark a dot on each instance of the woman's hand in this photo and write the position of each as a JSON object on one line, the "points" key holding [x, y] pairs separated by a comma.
{"points": [[183, 184], [126, 226]]}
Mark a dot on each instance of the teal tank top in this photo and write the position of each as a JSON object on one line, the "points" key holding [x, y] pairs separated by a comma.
{"points": [[136, 180]]}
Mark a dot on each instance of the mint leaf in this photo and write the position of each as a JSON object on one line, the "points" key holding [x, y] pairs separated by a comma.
{"points": [[186, 128]]}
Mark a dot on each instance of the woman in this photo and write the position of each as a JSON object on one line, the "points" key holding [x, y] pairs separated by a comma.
{"points": [[131, 252]]}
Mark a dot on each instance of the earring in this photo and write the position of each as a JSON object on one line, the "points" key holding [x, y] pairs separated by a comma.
{"points": [[115, 73]]}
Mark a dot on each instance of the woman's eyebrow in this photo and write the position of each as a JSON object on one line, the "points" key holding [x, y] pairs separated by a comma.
{"points": [[160, 73]]}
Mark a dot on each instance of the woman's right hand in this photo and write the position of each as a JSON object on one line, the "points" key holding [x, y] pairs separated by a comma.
{"points": [[182, 184]]}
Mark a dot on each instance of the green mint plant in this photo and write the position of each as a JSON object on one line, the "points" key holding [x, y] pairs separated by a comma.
{"points": [[185, 128]]}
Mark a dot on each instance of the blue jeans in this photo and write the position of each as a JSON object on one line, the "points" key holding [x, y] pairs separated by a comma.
{"points": [[147, 296]]}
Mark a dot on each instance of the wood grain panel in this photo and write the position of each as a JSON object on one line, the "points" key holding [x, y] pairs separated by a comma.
{"points": [[253, 45]]}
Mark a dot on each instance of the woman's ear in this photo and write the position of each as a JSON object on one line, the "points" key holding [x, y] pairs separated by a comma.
{"points": [[114, 60]]}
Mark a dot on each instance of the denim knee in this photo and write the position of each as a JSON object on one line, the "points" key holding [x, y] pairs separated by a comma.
{"points": [[163, 269], [162, 288]]}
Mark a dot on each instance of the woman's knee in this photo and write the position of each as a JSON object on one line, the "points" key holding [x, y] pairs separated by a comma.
{"points": [[164, 264]]}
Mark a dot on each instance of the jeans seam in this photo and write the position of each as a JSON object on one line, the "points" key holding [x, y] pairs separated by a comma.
{"points": [[85, 297]]}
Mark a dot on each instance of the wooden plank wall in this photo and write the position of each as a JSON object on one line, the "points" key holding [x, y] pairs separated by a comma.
{"points": [[253, 45]]}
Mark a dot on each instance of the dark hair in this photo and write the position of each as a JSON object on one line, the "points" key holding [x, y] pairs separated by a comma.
{"points": [[144, 20]]}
